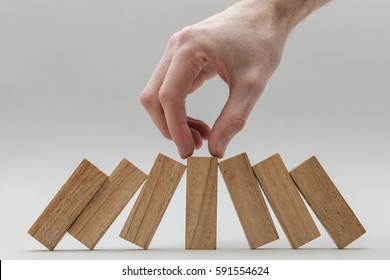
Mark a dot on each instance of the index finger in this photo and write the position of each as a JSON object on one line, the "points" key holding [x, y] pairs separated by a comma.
{"points": [[177, 83]]}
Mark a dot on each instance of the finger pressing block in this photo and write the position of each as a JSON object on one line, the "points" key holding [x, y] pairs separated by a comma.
{"points": [[327, 203], [248, 200], [152, 202], [107, 204], [67, 204], [286, 201], [201, 205]]}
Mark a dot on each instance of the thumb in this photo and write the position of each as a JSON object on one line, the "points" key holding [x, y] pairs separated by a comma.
{"points": [[233, 117]]}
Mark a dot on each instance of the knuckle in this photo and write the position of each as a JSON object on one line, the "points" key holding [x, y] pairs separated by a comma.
{"points": [[190, 43], [192, 37], [185, 35], [255, 81], [172, 40], [146, 99], [182, 37], [164, 96], [237, 122]]}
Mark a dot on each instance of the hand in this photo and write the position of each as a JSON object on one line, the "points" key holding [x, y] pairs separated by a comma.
{"points": [[243, 45]]}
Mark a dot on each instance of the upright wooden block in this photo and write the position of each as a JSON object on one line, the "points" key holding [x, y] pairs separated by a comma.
{"points": [[67, 204], [201, 206], [286, 201], [152, 202], [248, 200], [327, 203], [107, 204]]}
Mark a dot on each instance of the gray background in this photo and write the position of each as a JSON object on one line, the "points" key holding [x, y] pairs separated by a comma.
{"points": [[70, 76]]}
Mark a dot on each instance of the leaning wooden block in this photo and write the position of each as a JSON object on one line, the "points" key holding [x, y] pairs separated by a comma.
{"points": [[286, 201], [107, 204], [248, 200], [152, 202], [327, 203], [67, 204], [201, 206]]}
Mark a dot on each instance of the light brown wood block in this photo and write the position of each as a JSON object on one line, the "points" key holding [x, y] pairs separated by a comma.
{"points": [[107, 204], [67, 204], [327, 203], [201, 203], [248, 200], [152, 202], [285, 200]]}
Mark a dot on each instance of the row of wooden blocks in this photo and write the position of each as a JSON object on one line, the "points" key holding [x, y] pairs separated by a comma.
{"points": [[90, 201]]}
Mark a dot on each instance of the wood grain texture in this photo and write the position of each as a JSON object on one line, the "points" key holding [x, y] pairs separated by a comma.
{"points": [[327, 203], [248, 200], [152, 202], [285, 200], [201, 203], [107, 204], [67, 204]]}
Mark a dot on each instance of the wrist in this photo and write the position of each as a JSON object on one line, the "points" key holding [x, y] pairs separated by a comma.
{"points": [[282, 14]]}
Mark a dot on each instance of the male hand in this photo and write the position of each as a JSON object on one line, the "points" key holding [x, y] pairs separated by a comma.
{"points": [[243, 45]]}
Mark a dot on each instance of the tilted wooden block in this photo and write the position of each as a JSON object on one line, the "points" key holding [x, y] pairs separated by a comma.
{"points": [[107, 204], [201, 206], [67, 204], [152, 202], [248, 200], [286, 201], [327, 203]]}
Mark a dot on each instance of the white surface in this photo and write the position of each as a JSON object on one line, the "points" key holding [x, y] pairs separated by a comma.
{"points": [[70, 76]]}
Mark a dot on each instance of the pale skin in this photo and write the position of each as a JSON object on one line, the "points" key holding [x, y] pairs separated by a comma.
{"points": [[243, 45]]}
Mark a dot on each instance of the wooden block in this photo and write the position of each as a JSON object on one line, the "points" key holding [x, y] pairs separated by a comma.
{"points": [[201, 206], [67, 204], [327, 203], [152, 202], [107, 204], [286, 201], [248, 200]]}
